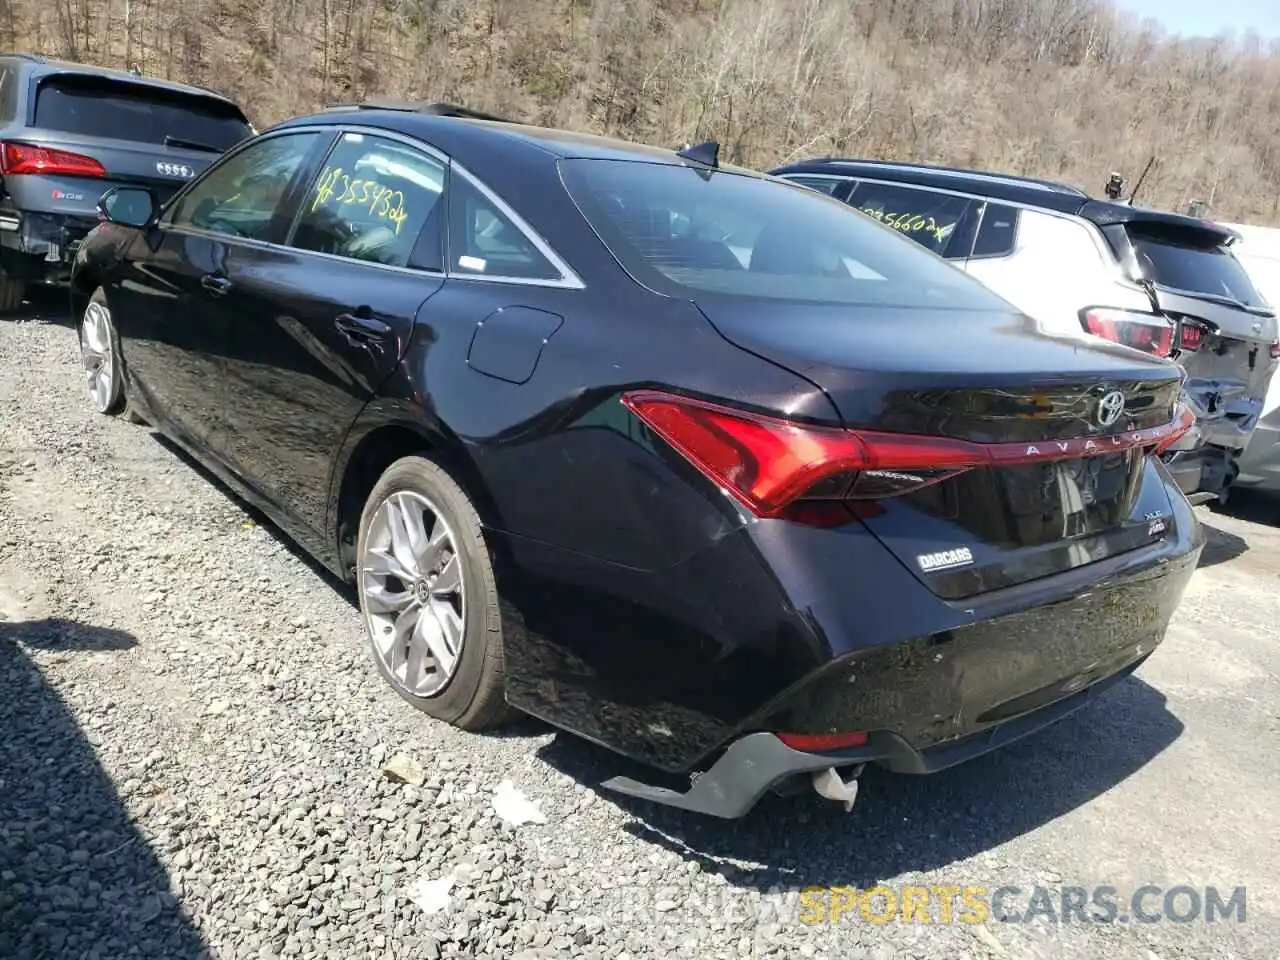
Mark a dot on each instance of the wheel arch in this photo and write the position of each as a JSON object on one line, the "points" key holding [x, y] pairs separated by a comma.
{"points": [[386, 431], [83, 282]]}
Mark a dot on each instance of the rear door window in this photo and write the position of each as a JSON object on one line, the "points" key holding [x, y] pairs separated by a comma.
{"points": [[91, 106], [925, 216], [1192, 261], [377, 200]]}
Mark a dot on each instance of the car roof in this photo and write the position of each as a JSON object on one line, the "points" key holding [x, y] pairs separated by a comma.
{"points": [[458, 135], [43, 66], [1027, 191], [1000, 186]]}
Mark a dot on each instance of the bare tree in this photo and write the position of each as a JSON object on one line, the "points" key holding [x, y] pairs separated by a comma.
{"points": [[1069, 89]]}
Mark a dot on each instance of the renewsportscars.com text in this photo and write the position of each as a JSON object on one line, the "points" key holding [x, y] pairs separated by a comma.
{"points": [[1014, 904]]}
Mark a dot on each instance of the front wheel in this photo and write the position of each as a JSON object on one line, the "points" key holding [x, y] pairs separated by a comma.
{"points": [[429, 597], [100, 355]]}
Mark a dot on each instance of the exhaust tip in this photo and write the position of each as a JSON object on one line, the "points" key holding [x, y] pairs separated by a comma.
{"points": [[831, 786]]}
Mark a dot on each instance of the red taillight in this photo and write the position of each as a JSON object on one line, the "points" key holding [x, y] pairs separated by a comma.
{"points": [[20, 158], [820, 742], [768, 463], [1190, 335], [1148, 332], [1275, 349]]}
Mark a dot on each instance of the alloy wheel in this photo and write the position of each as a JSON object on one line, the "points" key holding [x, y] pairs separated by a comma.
{"points": [[413, 593], [98, 355]]}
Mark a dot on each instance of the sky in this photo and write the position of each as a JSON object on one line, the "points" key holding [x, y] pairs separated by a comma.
{"points": [[1208, 17]]}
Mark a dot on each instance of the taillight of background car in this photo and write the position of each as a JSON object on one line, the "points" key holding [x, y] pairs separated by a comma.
{"points": [[27, 158], [1152, 333], [1149, 332], [1191, 335]]}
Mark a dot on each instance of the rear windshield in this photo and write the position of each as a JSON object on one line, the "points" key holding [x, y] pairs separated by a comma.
{"points": [[92, 107], [682, 231], [1192, 262]]}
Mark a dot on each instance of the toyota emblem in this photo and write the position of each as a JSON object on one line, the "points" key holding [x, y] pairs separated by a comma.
{"points": [[1110, 407]]}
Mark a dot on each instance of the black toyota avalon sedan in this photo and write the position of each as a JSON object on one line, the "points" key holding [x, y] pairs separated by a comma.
{"points": [[698, 464]]}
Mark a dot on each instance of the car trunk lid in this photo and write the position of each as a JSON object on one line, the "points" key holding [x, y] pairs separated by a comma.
{"points": [[1067, 426]]}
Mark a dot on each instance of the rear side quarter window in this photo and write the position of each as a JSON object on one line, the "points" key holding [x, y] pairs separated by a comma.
{"points": [[998, 232], [484, 242]]}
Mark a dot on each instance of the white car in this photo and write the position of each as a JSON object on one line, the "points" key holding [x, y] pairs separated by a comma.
{"points": [[1160, 282]]}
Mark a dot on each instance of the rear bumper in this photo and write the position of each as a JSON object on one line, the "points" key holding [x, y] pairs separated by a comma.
{"points": [[782, 627], [40, 247], [758, 762]]}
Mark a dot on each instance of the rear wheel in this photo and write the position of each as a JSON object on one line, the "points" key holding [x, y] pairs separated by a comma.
{"points": [[11, 292], [429, 598]]}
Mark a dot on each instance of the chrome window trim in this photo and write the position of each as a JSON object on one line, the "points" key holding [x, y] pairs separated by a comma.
{"points": [[568, 280], [299, 251]]}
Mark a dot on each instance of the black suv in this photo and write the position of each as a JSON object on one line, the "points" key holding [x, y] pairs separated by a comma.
{"points": [[70, 131]]}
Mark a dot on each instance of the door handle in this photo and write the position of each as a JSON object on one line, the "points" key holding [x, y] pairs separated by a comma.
{"points": [[215, 284], [361, 326]]}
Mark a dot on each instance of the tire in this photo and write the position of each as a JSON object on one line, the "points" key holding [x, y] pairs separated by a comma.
{"points": [[100, 351], [411, 654], [11, 292]]}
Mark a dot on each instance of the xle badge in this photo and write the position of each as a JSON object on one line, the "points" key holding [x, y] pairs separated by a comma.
{"points": [[945, 559]]}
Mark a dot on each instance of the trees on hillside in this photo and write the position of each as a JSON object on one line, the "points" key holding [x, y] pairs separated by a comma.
{"points": [[1063, 88]]}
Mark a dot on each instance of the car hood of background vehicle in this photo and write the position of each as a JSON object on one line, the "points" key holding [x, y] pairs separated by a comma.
{"points": [[864, 357]]}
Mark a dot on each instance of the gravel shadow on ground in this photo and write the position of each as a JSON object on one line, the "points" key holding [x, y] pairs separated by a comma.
{"points": [[903, 824], [77, 879], [1253, 506]]}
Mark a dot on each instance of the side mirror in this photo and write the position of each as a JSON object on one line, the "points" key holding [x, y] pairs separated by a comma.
{"points": [[129, 207]]}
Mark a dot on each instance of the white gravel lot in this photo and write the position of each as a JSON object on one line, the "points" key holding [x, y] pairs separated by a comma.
{"points": [[192, 740]]}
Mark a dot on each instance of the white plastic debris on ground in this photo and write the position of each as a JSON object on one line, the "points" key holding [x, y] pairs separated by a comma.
{"points": [[513, 807], [432, 896]]}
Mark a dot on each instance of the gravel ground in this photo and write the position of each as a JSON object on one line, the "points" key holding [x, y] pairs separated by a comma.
{"points": [[192, 744]]}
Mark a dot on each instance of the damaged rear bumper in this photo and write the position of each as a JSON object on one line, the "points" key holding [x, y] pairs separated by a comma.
{"points": [[1204, 459], [759, 762], [40, 247]]}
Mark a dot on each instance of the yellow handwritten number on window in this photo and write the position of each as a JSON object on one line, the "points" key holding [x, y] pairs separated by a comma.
{"points": [[380, 201], [908, 222]]}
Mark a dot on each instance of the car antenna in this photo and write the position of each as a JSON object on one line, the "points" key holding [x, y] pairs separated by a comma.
{"points": [[706, 153], [1137, 186]]}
